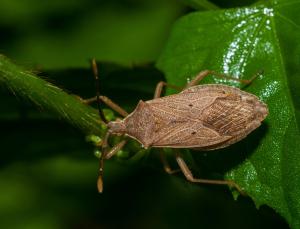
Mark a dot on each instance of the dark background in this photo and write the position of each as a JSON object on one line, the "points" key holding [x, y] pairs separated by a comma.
{"points": [[48, 170]]}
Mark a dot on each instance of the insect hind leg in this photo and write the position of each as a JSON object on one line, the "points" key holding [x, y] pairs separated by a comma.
{"points": [[205, 73], [189, 176]]}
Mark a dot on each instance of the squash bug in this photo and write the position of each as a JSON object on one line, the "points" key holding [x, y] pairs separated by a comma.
{"points": [[201, 117]]}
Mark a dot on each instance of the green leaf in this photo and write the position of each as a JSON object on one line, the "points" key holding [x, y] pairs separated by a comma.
{"points": [[240, 42]]}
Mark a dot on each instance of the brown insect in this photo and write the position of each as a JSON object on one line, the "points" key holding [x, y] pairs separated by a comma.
{"points": [[201, 117]]}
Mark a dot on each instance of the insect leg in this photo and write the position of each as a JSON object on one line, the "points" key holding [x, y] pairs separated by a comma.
{"points": [[108, 102], [166, 164], [189, 176], [115, 149], [160, 86], [205, 73]]}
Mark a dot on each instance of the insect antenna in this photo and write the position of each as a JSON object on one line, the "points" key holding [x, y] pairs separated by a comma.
{"points": [[97, 85], [101, 114]]}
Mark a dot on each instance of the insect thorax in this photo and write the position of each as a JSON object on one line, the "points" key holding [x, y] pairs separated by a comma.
{"points": [[140, 124]]}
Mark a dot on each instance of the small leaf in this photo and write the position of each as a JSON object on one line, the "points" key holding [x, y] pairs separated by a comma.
{"points": [[240, 42]]}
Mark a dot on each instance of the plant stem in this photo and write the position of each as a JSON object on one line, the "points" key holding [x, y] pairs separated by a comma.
{"points": [[49, 97]]}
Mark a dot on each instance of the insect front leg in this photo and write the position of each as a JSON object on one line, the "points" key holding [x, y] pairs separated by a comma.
{"points": [[107, 154], [205, 73], [189, 176], [114, 106], [115, 149]]}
